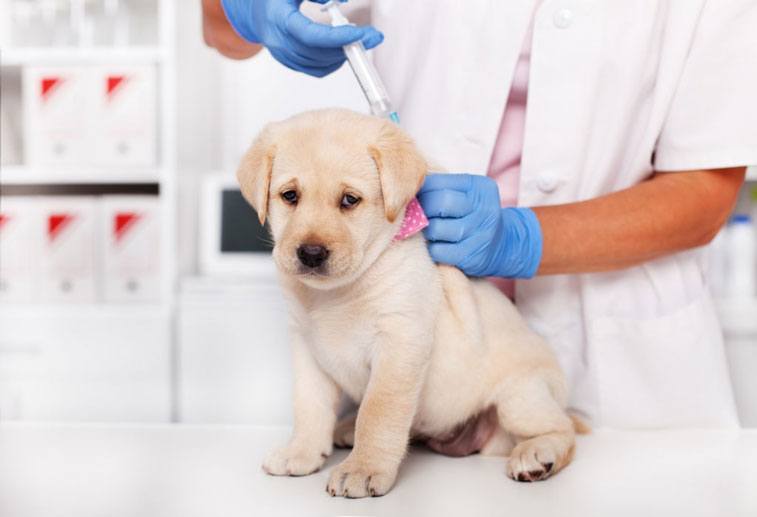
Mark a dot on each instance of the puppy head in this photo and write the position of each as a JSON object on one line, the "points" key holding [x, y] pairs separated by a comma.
{"points": [[333, 185]]}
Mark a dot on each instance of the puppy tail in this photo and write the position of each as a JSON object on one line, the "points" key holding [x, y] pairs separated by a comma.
{"points": [[579, 425]]}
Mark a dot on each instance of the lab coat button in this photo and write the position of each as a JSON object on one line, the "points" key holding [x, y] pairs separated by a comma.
{"points": [[563, 18], [547, 183]]}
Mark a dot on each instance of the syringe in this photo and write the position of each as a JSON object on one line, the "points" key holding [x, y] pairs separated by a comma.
{"points": [[366, 73]]}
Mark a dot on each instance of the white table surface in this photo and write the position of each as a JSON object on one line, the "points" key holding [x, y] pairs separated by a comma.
{"points": [[185, 471]]}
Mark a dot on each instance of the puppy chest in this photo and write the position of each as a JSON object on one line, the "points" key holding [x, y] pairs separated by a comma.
{"points": [[344, 353]]}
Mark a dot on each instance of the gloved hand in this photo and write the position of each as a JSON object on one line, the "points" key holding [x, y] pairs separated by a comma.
{"points": [[292, 38], [468, 229]]}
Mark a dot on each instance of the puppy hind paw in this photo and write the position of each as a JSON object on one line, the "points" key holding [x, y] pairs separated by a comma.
{"points": [[345, 441], [344, 433], [532, 475], [534, 460]]}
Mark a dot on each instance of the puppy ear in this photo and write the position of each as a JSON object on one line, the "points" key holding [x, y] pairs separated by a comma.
{"points": [[254, 172], [400, 166]]}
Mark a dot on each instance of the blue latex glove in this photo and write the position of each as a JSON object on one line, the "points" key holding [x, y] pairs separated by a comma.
{"points": [[468, 229], [292, 38]]}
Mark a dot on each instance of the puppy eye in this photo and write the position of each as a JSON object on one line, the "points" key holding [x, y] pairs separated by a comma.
{"points": [[290, 196], [348, 201]]}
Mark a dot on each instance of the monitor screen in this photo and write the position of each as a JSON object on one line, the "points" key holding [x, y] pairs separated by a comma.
{"points": [[240, 229]]}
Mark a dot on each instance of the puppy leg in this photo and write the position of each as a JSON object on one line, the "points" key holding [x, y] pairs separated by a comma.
{"points": [[543, 431], [316, 397], [383, 425], [501, 443]]}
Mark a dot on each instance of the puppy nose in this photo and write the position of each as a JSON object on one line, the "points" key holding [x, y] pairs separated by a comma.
{"points": [[312, 255]]}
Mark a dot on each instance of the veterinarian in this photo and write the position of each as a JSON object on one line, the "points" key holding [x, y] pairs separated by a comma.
{"points": [[616, 136]]}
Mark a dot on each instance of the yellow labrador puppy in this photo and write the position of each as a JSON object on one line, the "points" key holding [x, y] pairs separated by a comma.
{"points": [[428, 353]]}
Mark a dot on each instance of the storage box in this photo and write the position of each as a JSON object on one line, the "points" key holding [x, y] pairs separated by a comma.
{"points": [[21, 242], [58, 104], [101, 115], [68, 255], [130, 248], [125, 115]]}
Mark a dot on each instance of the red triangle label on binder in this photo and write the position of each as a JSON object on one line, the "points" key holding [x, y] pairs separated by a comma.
{"points": [[114, 84], [48, 85], [122, 222], [3, 219], [56, 223]]}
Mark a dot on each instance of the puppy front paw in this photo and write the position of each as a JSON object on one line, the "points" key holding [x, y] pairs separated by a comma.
{"points": [[294, 460], [354, 478]]}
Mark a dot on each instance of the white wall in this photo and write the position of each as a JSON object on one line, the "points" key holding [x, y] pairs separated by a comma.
{"points": [[199, 137], [261, 90]]}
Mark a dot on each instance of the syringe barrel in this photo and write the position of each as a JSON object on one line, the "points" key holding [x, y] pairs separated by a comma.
{"points": [[369, 80], [366, 73]]}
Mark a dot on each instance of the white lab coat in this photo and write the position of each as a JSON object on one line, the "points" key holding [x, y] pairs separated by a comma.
{"points": [[616, 89]]}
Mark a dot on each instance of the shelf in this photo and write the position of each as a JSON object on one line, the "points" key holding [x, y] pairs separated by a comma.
{"points": [[80, 55], [93, 310], [21, 175]]}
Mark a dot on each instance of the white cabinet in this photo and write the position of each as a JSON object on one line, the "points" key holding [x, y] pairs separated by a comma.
{"points": [[234, 352], [739, 320], [85, 363], [100, 119]]}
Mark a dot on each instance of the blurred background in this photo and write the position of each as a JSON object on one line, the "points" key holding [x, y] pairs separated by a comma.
{"points": [[135, 283]]}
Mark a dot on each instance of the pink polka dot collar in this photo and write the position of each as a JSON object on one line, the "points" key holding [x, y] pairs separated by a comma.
{"points": [[415, 220]]}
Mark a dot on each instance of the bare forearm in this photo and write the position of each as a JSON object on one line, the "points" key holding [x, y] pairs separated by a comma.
{"points": [[669, 212], [219, 34]]}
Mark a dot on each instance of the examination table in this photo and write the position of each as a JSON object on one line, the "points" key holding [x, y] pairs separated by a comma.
{"points": [[105, 470]]}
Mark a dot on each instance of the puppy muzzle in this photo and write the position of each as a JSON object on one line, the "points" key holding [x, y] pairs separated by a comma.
{"points": [[312, 255]]}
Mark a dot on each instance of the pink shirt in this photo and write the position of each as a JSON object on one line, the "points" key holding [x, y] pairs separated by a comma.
{"points": [[504, 166]]}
